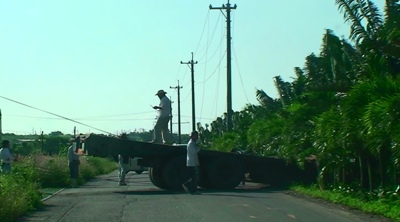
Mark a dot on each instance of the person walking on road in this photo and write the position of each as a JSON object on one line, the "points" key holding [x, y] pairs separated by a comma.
{"points": [[193, 165], [161, 134], [6, 157], [73, 164], [123, 162]]}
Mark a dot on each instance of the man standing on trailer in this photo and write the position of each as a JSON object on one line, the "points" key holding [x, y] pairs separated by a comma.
{"points": [[161, 134], [193, 165]]}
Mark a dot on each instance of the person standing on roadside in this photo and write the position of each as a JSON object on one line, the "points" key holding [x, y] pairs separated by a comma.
{"points": [[73, 164], [193, 165], [123, 162], [6, 157], [161, 133]]}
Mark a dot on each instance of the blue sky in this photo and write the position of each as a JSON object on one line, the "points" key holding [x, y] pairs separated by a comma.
{"points": [[100, 63]]}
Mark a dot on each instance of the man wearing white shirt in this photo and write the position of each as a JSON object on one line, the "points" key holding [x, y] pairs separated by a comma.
{"points": [[161, 133], [6, 157], [193, 165]]}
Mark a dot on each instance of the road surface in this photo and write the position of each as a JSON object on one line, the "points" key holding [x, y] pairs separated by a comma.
{"points": [[103, 200]]}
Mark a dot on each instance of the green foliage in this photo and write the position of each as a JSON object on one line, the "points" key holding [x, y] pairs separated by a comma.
{"points": [[53, 144], [93, 166], [227, 143], [265, 136], [377, 202], [102, 165], [20, 190], [17, 196], [342, 108]]}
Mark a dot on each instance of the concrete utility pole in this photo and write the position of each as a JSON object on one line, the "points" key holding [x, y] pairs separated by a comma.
{"points": [[228, 8], [178, 87], [42, 140], [1, 128], [193, 102], [170, 118]]}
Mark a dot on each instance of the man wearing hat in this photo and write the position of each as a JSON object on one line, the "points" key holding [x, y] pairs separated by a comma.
{"points": [[161, 134]]}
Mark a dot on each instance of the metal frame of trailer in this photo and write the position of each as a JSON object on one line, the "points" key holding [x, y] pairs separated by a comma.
{"points": [[219, 170]]}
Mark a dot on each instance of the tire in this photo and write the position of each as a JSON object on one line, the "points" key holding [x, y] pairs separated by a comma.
{"points": [[138, 171], [225, 173], [175, 173], [155, 175], [203, 180]]}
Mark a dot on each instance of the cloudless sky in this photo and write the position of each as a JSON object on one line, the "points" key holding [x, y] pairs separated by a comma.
{"points": [[100, 63]]}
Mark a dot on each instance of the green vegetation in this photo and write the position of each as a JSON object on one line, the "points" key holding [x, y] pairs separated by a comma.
{"points": [[379, 202], [341, 110], [23, 189]]}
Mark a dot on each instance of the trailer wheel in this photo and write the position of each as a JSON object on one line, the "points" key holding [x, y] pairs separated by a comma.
{"points": [[155, 175], [203, 180], [225, 173], [175, 173]]}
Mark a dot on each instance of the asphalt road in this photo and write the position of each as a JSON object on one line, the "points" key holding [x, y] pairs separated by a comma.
{"points": [[103, 200]]}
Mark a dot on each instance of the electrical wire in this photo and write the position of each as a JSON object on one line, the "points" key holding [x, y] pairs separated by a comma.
{"points": [[87, 119], [202, 32], [216, 68], [236, 62], [66, 118], [209, 40]]}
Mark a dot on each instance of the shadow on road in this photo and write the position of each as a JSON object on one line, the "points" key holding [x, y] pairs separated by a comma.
{"points": [[209, 192]]}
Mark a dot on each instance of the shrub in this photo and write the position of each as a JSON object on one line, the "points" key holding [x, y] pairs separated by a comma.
{"points": [[20, 190], [17, 196]]}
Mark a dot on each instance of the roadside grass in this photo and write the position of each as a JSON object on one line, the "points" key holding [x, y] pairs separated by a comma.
{"points": [[38, 176], [379, 202]]}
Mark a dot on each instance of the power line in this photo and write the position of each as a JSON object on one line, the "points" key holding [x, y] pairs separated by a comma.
{"points": [[86, 119], [66, 118]]}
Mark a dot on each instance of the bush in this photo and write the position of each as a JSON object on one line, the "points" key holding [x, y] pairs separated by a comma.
{"points": [[20, 190], [388, 206], [17, 196]]}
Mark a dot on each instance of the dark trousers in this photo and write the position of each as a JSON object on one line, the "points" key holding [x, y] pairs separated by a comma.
{"points": [[194, 176], [73, 169]]}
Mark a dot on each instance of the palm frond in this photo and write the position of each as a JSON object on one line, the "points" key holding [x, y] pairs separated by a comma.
{"points": [[351, 14], [374, 19]]}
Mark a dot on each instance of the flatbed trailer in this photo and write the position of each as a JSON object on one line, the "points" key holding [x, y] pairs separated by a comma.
{"points": [[219, 170]]}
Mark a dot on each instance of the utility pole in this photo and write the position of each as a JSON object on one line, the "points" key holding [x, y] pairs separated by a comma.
{"points": [[1, 127], [178, 87], [191, 62], [42, 140], [228, 8], [170, 118]]}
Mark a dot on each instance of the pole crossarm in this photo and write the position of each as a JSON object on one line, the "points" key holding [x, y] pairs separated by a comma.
{"points": [[223, 7]]}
